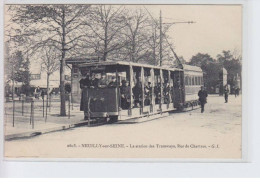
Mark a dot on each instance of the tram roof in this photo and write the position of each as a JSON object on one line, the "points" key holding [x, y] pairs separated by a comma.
{"points": [[192, 68], [105, 63]]}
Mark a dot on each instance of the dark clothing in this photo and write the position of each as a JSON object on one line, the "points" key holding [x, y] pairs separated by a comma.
{"points": [[202, 107], [148, 95], [236, 92], [42, 94], [203, 96], [226, 91], [203, 99], [166, 93], [84, 83], [112, 84], [137, 92], [157, 92], [94, 83], [125, 97]]}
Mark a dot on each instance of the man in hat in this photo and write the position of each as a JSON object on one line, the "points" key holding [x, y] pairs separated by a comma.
{"points": [[226, 92], [202, 98]]}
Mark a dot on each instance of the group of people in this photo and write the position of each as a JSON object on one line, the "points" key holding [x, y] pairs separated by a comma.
{"points": [[93, 82], [203, 95], [137, 92]]}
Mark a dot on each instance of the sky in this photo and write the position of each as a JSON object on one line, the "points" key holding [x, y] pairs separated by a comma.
{"points": [[217, 28]]}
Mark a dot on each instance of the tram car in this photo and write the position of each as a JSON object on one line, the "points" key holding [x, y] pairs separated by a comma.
{"points": [[193, 80], [138, 90]]}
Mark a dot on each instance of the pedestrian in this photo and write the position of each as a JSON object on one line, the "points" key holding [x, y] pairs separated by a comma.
{"points": [[202, 98], [42, 94], [226, 92], [237, 92]]}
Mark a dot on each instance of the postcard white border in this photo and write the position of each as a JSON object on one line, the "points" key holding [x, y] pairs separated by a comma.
{"points": [[249, 118]]}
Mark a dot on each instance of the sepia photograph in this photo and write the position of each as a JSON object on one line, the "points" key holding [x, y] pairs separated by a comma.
{"points": [[123, 81]]}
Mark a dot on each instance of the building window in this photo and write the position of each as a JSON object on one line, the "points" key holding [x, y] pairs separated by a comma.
{"points": [[35, 76], [186, 80]]}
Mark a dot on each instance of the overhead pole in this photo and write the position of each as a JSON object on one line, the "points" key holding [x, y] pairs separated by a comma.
{"points": [[161, 35], [161, 38]]}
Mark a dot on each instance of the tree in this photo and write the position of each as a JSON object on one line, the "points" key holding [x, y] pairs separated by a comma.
{"points": [[201, 60], [232, 64], [50, 63], [135, 32], [20, 70], [105, 23], [59, 24]]}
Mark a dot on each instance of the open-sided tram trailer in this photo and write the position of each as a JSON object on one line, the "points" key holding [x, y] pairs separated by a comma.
{"points": [[106, 102]]}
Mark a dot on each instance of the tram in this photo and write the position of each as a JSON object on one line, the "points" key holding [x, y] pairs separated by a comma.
{"points": [[152, 89]]}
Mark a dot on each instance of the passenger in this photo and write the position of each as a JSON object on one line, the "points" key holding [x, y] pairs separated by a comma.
{"points": [[125, 94], [93, 81], [166, 93], [102, 83], [84, 83], [148, 94], [202, 98], [137, 92], [113, 83], [226, 92], [157, 92]]}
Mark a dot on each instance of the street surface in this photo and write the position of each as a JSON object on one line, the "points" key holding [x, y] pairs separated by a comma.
{"points": [[214, 134]]}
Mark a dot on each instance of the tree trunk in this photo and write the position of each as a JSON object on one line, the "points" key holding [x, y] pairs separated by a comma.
{"points": [[48, 84], [62, 67], [105, 44]]}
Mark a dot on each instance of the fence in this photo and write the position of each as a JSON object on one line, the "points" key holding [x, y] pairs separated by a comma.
{"points": [[31, 110]]}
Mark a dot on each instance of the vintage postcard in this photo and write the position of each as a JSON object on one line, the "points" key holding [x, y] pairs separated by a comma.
{"points": [[93, 81]]}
